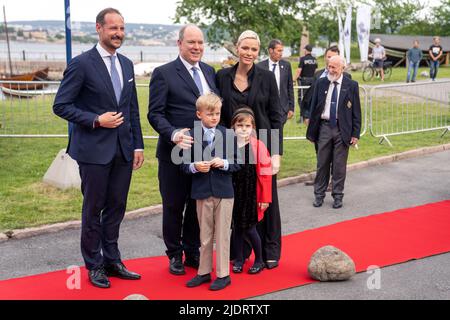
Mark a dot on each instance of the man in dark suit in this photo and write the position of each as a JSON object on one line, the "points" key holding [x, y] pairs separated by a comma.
{"points": [[321, 73], [98, 95], [174, 89], [335, 125], [283, 74]]}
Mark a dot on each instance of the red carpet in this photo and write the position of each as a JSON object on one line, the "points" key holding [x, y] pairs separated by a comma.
{"points": [[382, 240]]}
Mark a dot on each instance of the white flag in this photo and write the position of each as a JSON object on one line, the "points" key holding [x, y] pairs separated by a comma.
{"points": [[341, 34], [363, 29], [348, 33]]}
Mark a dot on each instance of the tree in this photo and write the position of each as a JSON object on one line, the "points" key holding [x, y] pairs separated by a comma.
{"points": [[442, 19], [395, 14], [225, 20]]}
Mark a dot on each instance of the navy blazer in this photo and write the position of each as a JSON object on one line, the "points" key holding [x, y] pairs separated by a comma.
{"points": [[349, 109], [87, 91], [215, 183], [287, 99], [173, 94]]}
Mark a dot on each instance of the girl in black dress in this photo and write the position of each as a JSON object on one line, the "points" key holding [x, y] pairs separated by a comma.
{"points": [[252, 189]]}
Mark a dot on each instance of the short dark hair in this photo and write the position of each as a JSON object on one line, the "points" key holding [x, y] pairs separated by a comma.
{"points": [[333, 49], [274, 42], [101, 15]]}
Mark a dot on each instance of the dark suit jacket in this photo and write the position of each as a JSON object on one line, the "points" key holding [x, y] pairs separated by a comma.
{"points": [[349, 110], [215, 183], [306, 105], [173, 94], [263, 99], [287, 99], [87, 91]]}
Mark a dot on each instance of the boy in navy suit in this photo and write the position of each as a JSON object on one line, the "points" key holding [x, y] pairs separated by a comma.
{"points": [[211, 167]]}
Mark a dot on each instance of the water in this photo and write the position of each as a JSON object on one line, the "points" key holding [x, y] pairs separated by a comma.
{"points": [[57, 52]]}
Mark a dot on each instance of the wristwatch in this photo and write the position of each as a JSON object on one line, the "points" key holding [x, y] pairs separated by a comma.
{"points": [[96, 122]]}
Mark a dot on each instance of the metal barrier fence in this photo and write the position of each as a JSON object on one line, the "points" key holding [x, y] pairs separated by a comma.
{"points": [[397, 109], [28, 113]]}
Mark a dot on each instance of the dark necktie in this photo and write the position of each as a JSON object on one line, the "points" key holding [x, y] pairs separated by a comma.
{"points": [[115, 79], [274, 67], [333, 106], [197, 80]]}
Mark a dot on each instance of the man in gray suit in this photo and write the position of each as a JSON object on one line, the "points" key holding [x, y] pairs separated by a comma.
{"points": [[283, 74]]}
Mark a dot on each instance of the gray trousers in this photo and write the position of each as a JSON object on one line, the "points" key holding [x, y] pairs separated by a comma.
{"points": [[332, 154]]}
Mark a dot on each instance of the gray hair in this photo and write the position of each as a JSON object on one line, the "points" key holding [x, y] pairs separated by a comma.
{"points": [[341, 60], [248, 34], [183, 30], [275, 42]]}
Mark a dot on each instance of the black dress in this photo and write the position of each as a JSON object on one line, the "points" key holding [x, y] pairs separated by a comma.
{"points": [[244, 182]]}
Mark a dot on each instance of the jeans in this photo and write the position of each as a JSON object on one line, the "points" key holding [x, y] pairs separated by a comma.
{"points": [[434, 66], [414, 66]]}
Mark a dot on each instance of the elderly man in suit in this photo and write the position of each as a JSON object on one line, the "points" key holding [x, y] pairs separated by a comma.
{"points": [[335, 125], [174, 89], [98, 95], [283, 75]]}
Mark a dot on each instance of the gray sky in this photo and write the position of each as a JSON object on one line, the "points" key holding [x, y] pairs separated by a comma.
{"points": [[147, 11]]}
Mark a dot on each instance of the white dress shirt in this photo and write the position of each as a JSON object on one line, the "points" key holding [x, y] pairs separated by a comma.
{"points": [[107, 60], [189, 66], [326, 111], [277, 71]]}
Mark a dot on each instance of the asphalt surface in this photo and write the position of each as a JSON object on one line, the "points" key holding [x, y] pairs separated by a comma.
{"points": [[368, 191]]}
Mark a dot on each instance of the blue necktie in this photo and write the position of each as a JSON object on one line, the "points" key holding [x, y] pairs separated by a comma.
{"points": [[115, 79], [333, 106], [209, 136], [197, 80], [274, 67]]}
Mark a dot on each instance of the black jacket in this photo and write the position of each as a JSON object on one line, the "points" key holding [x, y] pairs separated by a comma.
{"points": [[349, 109], [263, 99]]}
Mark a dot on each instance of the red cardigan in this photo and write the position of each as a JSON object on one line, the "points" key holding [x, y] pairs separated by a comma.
{"points": [[263, 173]]}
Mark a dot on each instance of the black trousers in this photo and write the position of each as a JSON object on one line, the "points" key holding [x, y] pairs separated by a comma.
{"points": [[181, 231], [105, 191], [332, 155]]}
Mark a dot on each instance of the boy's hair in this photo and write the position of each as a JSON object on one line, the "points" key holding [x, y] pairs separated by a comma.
{"points": [[208, 102], [244, 112]]}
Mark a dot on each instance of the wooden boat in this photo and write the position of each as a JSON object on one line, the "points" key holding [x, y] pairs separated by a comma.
{"points": [[28, 93], [39, 75]]}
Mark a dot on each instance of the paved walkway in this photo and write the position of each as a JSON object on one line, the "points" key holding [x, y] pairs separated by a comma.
{"points": [[368, 191]]}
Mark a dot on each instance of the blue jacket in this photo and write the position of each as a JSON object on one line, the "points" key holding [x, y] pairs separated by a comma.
{"points": [[87, 91], [216, 183], [173, 94]]}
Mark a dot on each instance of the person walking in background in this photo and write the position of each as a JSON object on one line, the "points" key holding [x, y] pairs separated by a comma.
{"points": [[335, 124], [379, 55], [304, 76], [98, 95], [252, 189], [283, 74], [414, 56], [435, 53], [175, 88], [246, 84], [211, 167]]}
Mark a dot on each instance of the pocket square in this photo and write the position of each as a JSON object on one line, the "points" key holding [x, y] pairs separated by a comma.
{"points": [[131, 80]]}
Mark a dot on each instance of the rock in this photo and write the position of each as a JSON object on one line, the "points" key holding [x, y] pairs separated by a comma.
{"points": [[331, 264], [136, 297]]}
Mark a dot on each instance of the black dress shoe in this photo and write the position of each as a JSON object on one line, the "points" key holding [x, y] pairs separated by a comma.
{"points": [[119, 270], [271, 264], [193, 262], [256, 268], [337, 203], [99, 278], [220, 283], [317, 202], [198, 280], [176, 266], [237, 267]]}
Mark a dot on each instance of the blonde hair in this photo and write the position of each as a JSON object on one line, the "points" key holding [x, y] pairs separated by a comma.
{"points": [[209, 102], [248, 34]]}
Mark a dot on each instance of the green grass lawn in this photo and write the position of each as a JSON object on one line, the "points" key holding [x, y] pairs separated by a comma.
{"points": [[25, 201]]}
